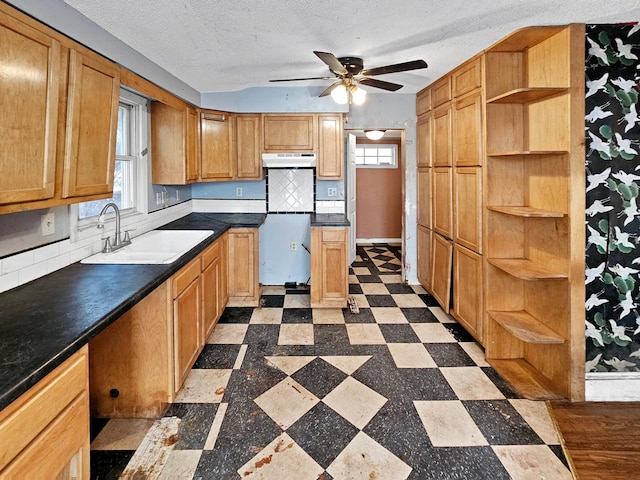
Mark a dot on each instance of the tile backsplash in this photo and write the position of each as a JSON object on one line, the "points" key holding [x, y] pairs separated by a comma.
{"points": [[290, 190]]}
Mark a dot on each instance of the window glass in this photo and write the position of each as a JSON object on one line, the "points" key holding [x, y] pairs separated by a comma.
{"points": [[377, 156]]}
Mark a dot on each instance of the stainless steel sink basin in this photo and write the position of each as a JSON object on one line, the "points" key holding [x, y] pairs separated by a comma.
{"points": [[154, 247]]}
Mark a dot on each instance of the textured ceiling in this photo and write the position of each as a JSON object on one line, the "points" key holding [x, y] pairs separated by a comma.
{"points": [[219, 46]]}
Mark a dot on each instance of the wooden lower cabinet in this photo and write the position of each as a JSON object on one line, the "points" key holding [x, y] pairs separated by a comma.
{"points": [[424, 257], [243, 266], [467, 290], [442, 251], [212, 294], [45, 432], [329, 267]]}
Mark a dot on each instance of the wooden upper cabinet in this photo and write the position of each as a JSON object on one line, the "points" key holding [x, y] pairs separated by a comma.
{"points": [[441, 137], [442, 202], [441, 92], [216, 141], [28, 123], [248, 144], [289, 133], [467, 131], [423, 101], [423, 128], [468, 207], [92, 121], [424, 197], [467, 77], [330, 159], [174, 134]]}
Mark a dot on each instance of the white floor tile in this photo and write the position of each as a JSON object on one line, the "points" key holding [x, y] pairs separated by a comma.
{"points": [[407, 300], [432, 333], [349, 363], [296, 334], [228, 333], [181, 464], [365, 334], [374, 289], [410, 355], [297, 301], [355, 401], [204, 386], [448, 424], [327, 316], [286, 402], [122, 434], [471, 383], [476, 353], [289, 364], [531, 462], [266, 316], [537, 415], [388, 315]]}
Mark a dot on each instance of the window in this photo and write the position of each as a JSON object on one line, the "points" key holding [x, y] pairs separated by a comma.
{"points": [[128, 177], [377, 155]]}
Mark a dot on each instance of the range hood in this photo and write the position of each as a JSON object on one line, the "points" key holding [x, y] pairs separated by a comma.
{"points": [[288, 160]]}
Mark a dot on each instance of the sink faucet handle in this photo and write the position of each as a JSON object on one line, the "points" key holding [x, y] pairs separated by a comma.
{"points": [[107, 246], [127, 238]]}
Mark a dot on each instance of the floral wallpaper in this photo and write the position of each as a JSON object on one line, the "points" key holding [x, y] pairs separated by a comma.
{"points": [[613, 186]]}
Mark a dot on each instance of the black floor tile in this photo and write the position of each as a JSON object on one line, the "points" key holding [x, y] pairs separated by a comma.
{"points": [[499, 382], [334, 337], [217, 356], [459, 463], [381, 301], [500, 423], [369, 278], [419, 315], [262, 336], [458, 332], [319, 377], [195, 423], [272, 301], [109, 464], [398, 333], [322, 433], [364, 316], [96, 426], [236, 315], [355, 288], [428, 300], [297, 315], [399, 288], [449, 355], [557, 450]]}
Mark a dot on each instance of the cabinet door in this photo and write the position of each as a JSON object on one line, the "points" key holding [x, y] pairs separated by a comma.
{"points": [[423, 101], [442, 251], [467, 77], [442, 137], [29, 120], [330, 158], [210, 297], [424, 257], [243, 264], [467, 131], [329, 267], [192, 145], [216, 146], [442, 201], [248, 141], [293, 133], [467, 290], [92, 121], [186, 330], [424, 197], [468, 207], [224, 272], [441, 91], [423, 133]]}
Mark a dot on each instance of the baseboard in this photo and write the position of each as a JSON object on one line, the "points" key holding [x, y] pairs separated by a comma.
{"points": [[612, 387], [366, 241]]}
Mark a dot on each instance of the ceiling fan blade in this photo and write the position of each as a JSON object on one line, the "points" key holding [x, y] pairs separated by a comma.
{"points": [[329, 89], [398, 67], [373, 82], [300, 79], [334, 64]]}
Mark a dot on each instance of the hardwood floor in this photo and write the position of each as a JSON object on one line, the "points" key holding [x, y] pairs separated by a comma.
{"points": [[601, 438]]}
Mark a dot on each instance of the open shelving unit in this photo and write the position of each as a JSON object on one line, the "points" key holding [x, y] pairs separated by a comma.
{"points": [[534, 211]]}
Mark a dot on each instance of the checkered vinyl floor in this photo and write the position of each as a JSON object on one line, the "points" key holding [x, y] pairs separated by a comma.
{"points": [[397, 391]]}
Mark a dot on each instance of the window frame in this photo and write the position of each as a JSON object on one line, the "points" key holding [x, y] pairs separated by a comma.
{"points": [[376, 146]]}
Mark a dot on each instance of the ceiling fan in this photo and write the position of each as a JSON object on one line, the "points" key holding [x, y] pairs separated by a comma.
{"points": [[350, 71]]}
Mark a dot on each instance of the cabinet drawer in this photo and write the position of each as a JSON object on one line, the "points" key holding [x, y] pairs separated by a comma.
{"points": [[24, 419], [441, 91], [337, 234], [210, 254], [185, 276], [467, 78]]}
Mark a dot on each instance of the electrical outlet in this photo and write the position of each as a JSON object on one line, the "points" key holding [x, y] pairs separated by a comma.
{"points": [[48, 224], [293, 246], [332, 191], [238, 191]]}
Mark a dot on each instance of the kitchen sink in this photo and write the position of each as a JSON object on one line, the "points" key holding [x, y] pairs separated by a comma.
{"points": [[154, 247]]}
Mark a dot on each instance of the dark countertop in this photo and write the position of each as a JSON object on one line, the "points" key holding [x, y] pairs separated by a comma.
{"points": [[43, 322], [329, 220]]}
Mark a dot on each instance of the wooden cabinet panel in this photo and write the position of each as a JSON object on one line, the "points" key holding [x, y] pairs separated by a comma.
{"points": [[442, 251], [442, 201], [172, 164], [224, 272], [283, 133], [424, 257], [248, 143], [29, 120], [467, 131], [210, 278], [468, 207], [329, 267], [441, 92], [467, 290], [243, 265], [330, 159], [216, 144], [423, 148], [467, 78], [424, 197], [192, 145], [44, 429], [92, 121], [423, 101], [186, 330], [441, 137]]}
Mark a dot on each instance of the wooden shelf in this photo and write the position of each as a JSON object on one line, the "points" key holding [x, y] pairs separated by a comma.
{"points": [[525, 269], [527, 95], [525, 327], [524, 38], [523, 211], [527, 153], [525, 379]]}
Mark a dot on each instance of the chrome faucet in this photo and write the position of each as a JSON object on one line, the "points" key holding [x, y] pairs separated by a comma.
{"points": [[118, 242]]}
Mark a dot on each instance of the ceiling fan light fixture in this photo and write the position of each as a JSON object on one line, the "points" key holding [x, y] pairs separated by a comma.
{"points": [[340, 94], [358, 94], [374, 134]]}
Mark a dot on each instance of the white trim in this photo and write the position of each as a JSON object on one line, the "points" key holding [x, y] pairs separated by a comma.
{"points": [[612, 387], [377, 240]]}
